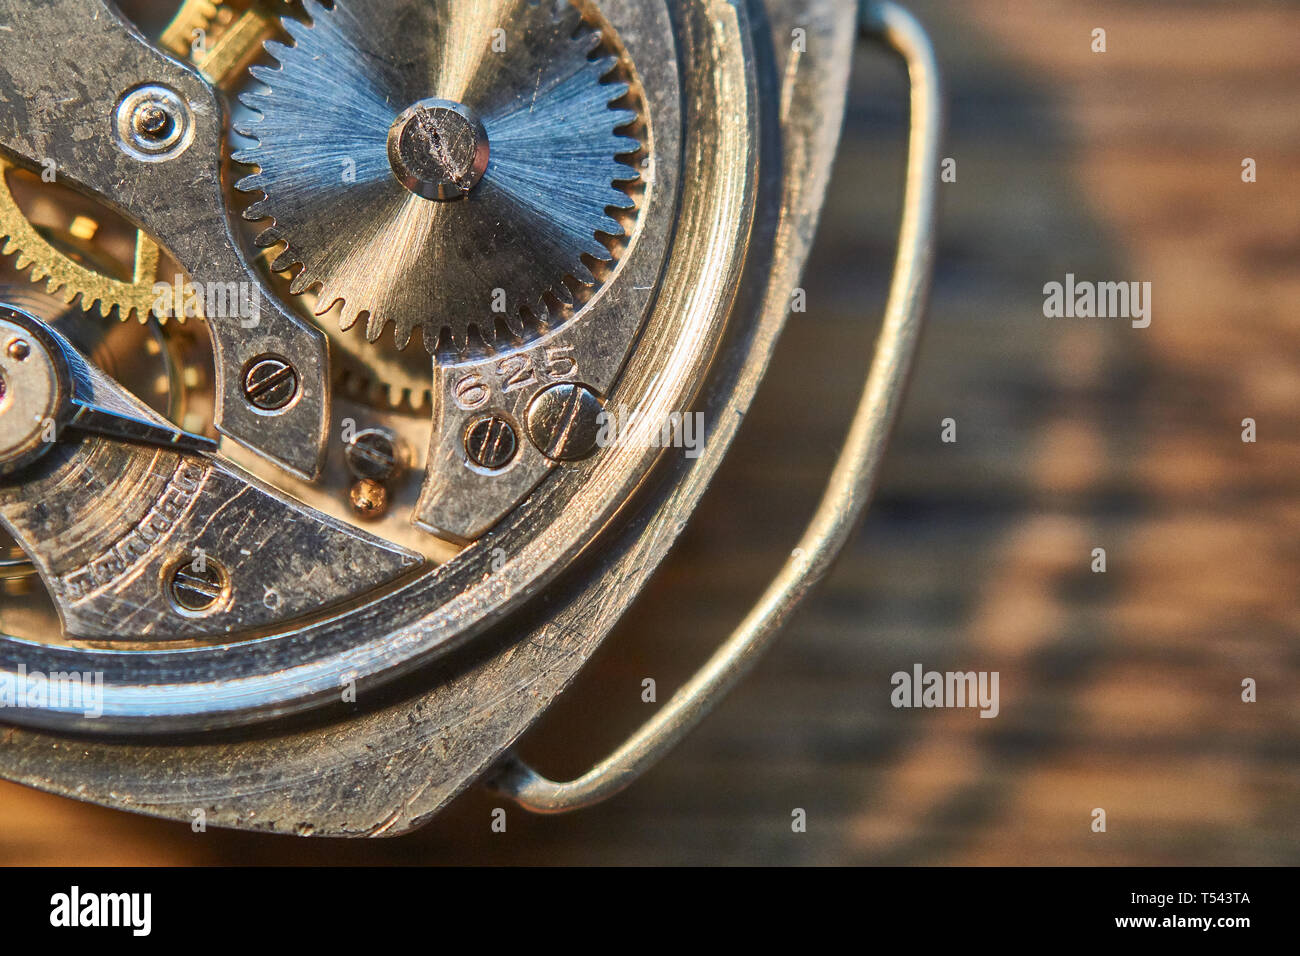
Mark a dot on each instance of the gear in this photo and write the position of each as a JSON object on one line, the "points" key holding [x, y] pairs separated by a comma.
{"points": [[68, 279], [381, 378], [448, 166], [193, 17], [65, 277], [233, 38]]}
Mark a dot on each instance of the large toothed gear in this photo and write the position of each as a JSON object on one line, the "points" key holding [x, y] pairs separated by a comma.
{"points": [[448, 166], [230, 522]]}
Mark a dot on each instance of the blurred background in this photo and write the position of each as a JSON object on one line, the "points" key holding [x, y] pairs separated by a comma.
{"points": [[1119, 690]]}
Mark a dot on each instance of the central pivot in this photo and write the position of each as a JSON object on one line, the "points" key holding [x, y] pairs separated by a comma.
{"points": [[438, 149]]}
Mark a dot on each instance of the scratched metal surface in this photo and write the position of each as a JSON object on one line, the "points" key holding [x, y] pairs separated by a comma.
{"points": [[1118, 690]]}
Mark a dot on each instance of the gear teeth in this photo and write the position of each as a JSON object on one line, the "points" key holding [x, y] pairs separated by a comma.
{"points": [[256, 212], [192, 15], [598, 251], [623, 119], [67, 279], [251, 183], [402, 341], [267, 238], [295, 28], [346, 321], [303, 280], [605, 65], [505, 328], [279, 51], [247, 126], [621, 200], [566, 20], [264, 74]]}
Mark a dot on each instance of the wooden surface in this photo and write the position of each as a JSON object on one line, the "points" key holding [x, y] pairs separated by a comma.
{"points": [[1118, 690]]}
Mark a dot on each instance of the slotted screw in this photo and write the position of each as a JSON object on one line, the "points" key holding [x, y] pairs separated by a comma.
{"points": [[270, 383], [491, 443], [198, 586]]}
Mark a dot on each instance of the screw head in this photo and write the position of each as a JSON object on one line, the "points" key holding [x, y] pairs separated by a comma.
{"points": [[438, 149], [153, 123], [270, 383], [19, 349], [152, 120], [198, 586], [491, 442], [376, 454], [369, 499], [564, 421]]}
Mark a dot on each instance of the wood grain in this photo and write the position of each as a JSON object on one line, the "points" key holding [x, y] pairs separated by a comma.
{"points": [[1120, 690]]}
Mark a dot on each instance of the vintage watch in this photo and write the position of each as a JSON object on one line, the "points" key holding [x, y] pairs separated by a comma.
{"points": [[360, 361]]}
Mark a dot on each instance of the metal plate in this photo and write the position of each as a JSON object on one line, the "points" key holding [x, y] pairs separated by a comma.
{"points": [[389, 635], [411, 747]]}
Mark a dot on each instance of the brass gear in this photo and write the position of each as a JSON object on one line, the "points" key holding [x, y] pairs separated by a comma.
{"points": [[182, 377], [232, 36], [68, 279], [63, 276], [233, 32], [193, 16]]}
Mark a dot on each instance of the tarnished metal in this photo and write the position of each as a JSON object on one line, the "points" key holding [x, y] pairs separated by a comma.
{"points": [[64, 67], [460, 502], [851, 482], [110, 519], [564, 422], [48, 389], [73, 281], [436, 612], [439, 149], [491, 442], [376, 454], [252, 606], [338, 149], [154, 124]]}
